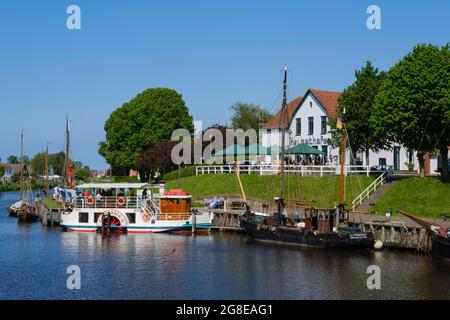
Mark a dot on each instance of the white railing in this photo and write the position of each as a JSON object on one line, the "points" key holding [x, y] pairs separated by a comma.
{"points": [[303, 170], [153, 208], [371, 189]]}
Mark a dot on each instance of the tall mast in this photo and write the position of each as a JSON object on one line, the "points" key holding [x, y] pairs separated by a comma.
{"points": [[46, 171], [21, 165], [282, 132], [341, 178], [68, 169]]}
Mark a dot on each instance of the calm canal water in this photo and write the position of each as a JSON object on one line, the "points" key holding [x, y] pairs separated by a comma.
{"points": [[34, 260]]}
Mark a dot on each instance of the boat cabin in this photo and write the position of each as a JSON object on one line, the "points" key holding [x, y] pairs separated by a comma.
{"points": [[175, 201]]}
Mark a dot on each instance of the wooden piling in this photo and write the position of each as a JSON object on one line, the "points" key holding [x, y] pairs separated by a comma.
{"points": [[194, 222]]}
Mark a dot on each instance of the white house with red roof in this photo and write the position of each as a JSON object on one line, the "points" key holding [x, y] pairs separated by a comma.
{"points": [[306, 121]]}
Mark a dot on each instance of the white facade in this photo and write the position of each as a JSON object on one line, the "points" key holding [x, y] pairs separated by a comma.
{"points": [[309, 125]]}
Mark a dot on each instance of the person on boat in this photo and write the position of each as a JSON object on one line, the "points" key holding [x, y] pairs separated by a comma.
{"points": [[144, 194]]}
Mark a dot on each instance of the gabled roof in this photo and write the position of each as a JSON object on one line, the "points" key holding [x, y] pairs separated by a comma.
{"points": [[274, 122], [16, 167], [328, 100]]}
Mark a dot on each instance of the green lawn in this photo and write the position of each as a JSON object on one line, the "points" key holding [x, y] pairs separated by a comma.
{"points": [[50, 203], [426, 197], [324, 190]]}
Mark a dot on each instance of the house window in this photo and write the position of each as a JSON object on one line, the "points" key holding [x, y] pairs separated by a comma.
{"points": [[310, 125], [268, 131], [83, 217], [310, 104], [298, 128], [382, 161], [324, 125], [325, 150]]}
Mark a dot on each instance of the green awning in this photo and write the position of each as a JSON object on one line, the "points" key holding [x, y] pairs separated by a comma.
{"points": [[303, 148], [233, 150], [238, 150], [274, 150], [255, 149]]}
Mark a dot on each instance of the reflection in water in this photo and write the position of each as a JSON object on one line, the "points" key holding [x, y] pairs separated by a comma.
{"points": [[34, 261]]}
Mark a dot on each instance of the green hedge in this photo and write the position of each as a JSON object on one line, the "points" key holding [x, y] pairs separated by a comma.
{"points": [[119, 179], [184, 172]]}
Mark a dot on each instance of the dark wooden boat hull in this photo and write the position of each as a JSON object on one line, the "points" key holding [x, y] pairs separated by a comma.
{"points": [[294, 236], [441, 247], [12, 212]]}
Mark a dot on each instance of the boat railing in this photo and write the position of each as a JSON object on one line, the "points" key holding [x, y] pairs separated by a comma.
{"points": [[108, 202], [149, 205]]}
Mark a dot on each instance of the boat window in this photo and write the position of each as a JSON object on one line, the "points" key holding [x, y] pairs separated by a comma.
{"points": [[83, 217], [131, 217], [96, 215]]}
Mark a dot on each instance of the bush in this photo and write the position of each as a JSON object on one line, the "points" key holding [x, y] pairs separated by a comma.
{"points": [[119, 179], [9, 186], [187, 171]]}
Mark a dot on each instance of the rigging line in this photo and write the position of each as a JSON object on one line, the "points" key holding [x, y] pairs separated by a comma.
{"points": [[441, 135], [353, 157], [426, 127]]}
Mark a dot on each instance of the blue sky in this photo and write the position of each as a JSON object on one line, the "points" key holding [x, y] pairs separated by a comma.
{"points": [[212, 52]]}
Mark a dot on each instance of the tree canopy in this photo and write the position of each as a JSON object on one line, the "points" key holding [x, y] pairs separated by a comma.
{"points": [[55, 160], [2, 171], [157, 158], [149, 117], [12, 159], [413, 103], [357, 102], [248, 116]]}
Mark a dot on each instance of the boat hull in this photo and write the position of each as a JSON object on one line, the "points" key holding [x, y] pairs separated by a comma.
{"points": [[71, 222], [293, 236], [441, 247], [176, 229]]}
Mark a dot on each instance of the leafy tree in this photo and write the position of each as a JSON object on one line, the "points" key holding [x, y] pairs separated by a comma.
{"points": [[2, 171], [157, 158], [248, 116], [55, 160], [149, 117], [13, 159], [357, 103], [82, 173], [413, 104]]}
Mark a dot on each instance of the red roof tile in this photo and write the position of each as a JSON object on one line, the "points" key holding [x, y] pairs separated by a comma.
{"points": [[328, 99], [274, 122]]}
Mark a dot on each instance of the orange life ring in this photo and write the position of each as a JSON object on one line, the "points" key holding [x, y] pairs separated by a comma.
{"points": [[121, 201], [146, 216], [90, 200]]}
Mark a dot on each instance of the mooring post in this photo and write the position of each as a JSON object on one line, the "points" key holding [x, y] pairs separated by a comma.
{"points": [[109, 223], [103, 223], [194, 222]]}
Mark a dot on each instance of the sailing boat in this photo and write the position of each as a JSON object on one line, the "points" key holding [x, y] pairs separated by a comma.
{"points": [[23, 209], [440, 236], [324, 228]]}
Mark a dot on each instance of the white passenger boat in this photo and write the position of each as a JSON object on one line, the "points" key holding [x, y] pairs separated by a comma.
{"points": [[132, 207]]}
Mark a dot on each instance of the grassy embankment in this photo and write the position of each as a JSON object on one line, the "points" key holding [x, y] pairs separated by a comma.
{"points": [[426, 197], [324, 190], [50, 203]]}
